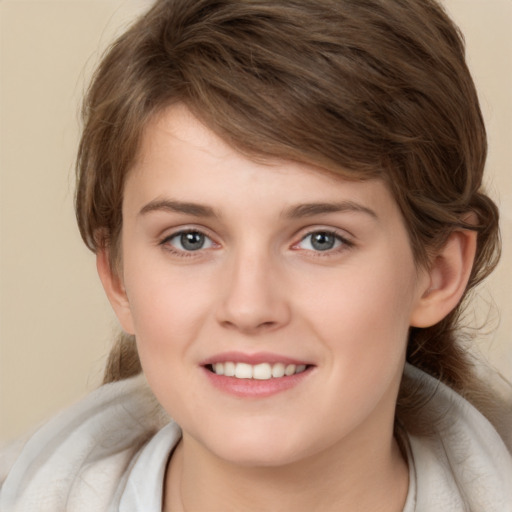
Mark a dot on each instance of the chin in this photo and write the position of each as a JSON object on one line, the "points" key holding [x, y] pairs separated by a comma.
{"points": [[259, 457], [261, 448]]}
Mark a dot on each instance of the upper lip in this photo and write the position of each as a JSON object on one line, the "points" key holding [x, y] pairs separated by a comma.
{"points": [[252, 359]]}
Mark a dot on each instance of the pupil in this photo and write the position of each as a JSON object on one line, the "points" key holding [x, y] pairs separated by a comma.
{"points": [[192, 241], [322, 241]]}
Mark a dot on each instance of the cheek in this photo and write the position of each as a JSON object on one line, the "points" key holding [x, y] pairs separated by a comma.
{"points": [[365, 295], [168, 316], [363, 323], [169, 308], [363, 314]]}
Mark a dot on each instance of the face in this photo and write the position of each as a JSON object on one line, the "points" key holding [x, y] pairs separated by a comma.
{"points": [[271, 302]]}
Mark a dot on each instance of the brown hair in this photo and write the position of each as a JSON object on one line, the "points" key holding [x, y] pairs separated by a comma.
{"points": [[364, 88]]}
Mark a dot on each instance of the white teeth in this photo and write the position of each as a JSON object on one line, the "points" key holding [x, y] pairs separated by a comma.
{"points": [[229, 369], [262, 371], [290, 369], [278, 370], [243, 371]]}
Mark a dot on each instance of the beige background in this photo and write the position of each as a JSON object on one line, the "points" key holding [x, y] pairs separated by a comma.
{"points": [[55, 324]]}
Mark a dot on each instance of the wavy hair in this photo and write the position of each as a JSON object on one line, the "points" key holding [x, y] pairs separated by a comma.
{"points": [[364, 88]]}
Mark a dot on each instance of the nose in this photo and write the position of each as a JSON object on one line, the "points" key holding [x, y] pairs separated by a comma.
{"points": [[254, 295]]}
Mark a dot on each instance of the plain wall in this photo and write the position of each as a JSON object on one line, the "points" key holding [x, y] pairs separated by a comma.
{"points": [[55, 324]]}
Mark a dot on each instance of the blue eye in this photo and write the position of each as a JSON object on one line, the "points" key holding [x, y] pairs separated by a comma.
{"points": [[189, 241], [321, 241]]}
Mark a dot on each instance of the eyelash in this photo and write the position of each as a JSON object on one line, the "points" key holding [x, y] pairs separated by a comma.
{"points": [[344, 243], [183, 253]]}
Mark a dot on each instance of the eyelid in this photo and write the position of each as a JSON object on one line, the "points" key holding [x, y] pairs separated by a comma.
{"points": [[346, 241], [170, 231], [343, 236], [176, 232]]}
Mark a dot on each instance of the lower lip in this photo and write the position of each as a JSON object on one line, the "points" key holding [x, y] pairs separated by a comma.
{"points": [[254, 388]]}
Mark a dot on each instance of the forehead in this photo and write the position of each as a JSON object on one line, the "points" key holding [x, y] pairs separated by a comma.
{"points": [[181, 157]]}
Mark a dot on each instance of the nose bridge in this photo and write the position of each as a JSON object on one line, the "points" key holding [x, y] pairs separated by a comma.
{"points": [[254, 297]]}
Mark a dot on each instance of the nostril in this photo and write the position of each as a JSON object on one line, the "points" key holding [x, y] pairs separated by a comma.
{"points": [[247, 326]]}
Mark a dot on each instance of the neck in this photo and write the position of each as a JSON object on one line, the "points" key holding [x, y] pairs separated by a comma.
{"points": [[371, 479]]}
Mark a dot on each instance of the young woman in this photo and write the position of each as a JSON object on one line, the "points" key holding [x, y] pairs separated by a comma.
{"points": [[285, 200]]}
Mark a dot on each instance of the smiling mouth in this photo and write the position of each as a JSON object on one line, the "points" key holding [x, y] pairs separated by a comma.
{"points": [[262, 371]]}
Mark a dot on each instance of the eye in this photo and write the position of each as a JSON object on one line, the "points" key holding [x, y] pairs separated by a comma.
{"points": [[322, 241], [188, 241]]}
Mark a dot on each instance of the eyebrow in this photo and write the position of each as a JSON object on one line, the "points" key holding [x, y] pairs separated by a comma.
{"points": [[293, 212], [312, 209], [168, 205]]}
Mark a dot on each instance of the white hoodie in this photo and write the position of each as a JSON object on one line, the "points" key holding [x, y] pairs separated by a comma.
{"points": [[109, 453]]}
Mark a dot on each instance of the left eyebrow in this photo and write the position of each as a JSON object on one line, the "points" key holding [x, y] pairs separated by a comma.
{"points": [[168, 205], [312, 209]]}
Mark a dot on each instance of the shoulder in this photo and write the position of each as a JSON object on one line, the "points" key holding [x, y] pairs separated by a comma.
{"points": [[81, 456], [463, 464]]}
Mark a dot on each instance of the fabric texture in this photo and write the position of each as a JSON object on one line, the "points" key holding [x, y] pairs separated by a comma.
{"points": [[109, 453], [464, 465]]}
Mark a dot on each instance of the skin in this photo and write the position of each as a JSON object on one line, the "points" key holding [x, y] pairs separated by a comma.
{"points": [[260, 285]]}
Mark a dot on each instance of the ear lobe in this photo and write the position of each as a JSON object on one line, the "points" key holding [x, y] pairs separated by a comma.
{"points": [[115, 290], [447, 279]]}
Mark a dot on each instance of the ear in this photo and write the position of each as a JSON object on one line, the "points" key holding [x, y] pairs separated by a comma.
{"points": [[446, 279], [115, 290]]}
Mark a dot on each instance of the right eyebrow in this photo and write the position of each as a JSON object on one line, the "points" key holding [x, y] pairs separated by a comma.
{"points": [[169, 205], [312, 209]]}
